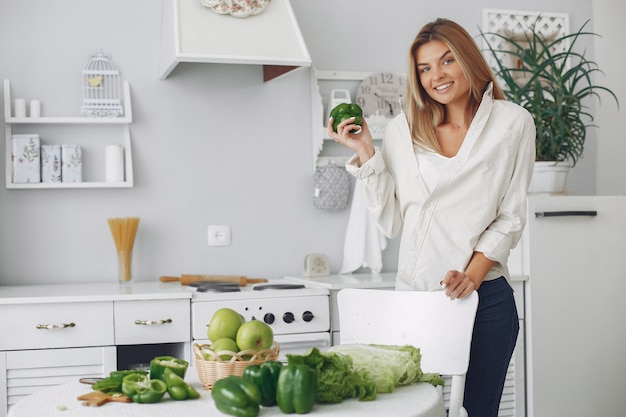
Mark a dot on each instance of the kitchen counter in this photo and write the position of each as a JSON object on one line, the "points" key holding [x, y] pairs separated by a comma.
{"points": [[418, 400], [341, 281], [89, 292], [373, 280]]}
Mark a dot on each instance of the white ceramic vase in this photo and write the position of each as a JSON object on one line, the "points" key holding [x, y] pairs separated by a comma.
{"points": [[549, 177]]}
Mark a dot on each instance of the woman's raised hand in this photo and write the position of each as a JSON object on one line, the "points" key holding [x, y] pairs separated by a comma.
{"points": [[354, 137]]}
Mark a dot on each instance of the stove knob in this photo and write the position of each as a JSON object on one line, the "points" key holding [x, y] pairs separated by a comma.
{"points": [[268, 318], [288, 317], [307, 316]]}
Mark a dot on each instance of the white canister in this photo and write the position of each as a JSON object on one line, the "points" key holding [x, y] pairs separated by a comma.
{"points": [[35, 108], [20, 107], [114, 163]]}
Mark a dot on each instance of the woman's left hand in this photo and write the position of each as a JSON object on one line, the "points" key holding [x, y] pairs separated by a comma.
{"points": [[458, 284]]}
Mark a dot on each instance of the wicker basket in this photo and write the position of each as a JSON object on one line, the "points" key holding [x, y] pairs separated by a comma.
{"points": [[210, 371]]}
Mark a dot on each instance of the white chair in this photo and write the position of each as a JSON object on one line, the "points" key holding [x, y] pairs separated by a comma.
{"points": [[439, 327]]}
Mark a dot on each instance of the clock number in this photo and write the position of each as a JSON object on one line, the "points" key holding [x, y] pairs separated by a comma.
{"points": [[385, 78]]}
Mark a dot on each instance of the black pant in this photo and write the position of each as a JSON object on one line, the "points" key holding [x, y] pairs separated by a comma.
{"points": [[493, 341]]}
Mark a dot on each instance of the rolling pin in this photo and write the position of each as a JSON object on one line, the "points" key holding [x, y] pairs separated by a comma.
{"points": [[187, 279]]}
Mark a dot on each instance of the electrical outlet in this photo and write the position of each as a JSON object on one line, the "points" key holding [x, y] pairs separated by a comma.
{"points": [[219, 235]]}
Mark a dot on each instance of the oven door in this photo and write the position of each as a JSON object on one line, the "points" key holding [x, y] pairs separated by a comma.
{"points": [[296, 344]]}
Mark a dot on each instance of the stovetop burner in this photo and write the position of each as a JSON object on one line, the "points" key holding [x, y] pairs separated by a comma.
{"points": [[278, 288], [261, 287], [215, 286]]}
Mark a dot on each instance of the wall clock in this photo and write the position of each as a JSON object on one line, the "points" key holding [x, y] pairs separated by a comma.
{"points": [[381, 92]]}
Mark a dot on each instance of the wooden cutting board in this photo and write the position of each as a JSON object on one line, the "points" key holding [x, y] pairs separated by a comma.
{"points": [[98, 398]]}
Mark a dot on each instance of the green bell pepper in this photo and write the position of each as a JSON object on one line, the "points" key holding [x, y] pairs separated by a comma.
{"points": [[345, 111], [141, 389], [177, 387], [236, 396], [159, 363], [112, 384], [264, 376], [296, 391]]}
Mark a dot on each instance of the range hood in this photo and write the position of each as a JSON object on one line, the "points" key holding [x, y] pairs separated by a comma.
{"points": [[195, 33]]}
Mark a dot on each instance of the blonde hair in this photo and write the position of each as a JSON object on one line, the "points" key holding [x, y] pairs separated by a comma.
{"points": [[422, 112]]}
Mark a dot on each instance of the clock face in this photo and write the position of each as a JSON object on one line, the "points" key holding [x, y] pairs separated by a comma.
{"points": [[381, 93]]}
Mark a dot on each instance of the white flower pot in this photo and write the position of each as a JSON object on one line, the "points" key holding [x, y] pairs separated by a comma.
{"points": [[549, 177]]}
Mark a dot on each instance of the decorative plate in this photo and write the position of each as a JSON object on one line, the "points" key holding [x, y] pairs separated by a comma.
{"points": [[237, 8]]}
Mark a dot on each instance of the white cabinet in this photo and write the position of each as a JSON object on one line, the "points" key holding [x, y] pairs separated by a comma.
{"points": [[26, 371], [54, 334], [151, 321], [56, 325], [575, 339], [33, 124], [52, 343]]}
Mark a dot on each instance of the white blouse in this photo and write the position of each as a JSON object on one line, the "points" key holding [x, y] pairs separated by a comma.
{"points": [[432, 165], [478, 203]]}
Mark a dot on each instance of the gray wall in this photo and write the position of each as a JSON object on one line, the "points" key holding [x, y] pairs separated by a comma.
{"points": [[212, 143], [610, 167]]}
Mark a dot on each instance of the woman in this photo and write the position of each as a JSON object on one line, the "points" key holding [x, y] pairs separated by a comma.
{"points": [[452, 178]]}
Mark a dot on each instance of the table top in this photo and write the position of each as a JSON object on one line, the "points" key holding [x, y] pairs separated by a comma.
{"points": [[417, 400]]}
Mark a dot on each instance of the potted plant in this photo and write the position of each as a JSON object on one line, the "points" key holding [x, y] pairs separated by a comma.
{"points": [[545, 75]]}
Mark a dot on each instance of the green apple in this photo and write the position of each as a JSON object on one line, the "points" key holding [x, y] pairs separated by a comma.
{"points": [[223, 344], [224, 324], [254, 335]]}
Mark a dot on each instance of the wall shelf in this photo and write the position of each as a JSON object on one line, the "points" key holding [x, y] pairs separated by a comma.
{"points": [[322, 82], [124, 122]]}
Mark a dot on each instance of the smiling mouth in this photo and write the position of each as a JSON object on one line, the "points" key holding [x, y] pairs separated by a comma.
{"points": [[443, 86]]}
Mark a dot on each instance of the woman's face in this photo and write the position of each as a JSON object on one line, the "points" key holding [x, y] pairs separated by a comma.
{"points": [[440, 74]]}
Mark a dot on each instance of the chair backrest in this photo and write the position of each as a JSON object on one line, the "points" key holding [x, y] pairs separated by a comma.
{"points": [[439, 327]]}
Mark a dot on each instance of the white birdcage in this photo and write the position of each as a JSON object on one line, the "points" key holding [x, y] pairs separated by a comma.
{"points": [[102, 87]]}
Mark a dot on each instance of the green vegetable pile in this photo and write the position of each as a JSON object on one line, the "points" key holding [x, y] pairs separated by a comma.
{"points": [[141, 389], [291, 387], [363, 371], [166, 375], [344, 371], [112, 384], [336, 377]]}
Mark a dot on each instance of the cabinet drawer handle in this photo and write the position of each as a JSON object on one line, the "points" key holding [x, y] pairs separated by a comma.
{"points": [[55, 326], [152, 322], [590, 213]]}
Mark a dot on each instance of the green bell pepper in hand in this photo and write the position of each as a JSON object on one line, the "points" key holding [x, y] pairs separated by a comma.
{"points": [[159, 363], [177, 387], [345, 111], [296, 391], [265, 377], [236, 396], [141, 389]]}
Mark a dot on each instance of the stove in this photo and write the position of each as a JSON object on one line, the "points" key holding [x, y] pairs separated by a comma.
{"points": [[337, 282], [298, 314]]}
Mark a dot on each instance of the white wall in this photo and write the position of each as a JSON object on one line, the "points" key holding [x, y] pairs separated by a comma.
{"points": [[213, 144], [611, 170]]}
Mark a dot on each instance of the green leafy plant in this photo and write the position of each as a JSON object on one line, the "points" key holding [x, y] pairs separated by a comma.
{"points": [[553, 81]]}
